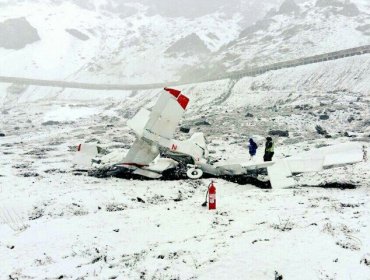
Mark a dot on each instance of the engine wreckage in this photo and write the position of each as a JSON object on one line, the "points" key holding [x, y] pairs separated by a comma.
{"points": [[156, 155]]}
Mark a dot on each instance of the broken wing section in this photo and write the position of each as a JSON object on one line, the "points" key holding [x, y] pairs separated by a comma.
{"points": [[141, 153], [326, 157], [85, 154], [281, 171]]}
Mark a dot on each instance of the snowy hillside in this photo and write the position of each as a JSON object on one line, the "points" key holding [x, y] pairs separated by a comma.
{"points": [[139, 42], [58, 223], [295, 31], [316, 85], [112, 41]]}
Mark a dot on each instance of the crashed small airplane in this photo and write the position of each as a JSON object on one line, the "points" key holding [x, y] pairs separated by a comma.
{"points": [[156, 155]]}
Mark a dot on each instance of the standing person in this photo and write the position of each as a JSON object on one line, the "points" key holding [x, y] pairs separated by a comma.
{"points": [[269, 149], [252, 148]]}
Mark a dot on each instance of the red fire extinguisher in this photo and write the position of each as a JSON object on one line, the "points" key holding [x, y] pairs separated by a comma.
{"points": [[211, 197]]}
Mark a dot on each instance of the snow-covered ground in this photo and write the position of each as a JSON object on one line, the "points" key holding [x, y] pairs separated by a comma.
{"points": [[59, 224]]}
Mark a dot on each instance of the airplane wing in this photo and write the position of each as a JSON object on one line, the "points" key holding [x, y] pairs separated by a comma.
{"points": [[155, 127], [316, 160], [141, 153]]}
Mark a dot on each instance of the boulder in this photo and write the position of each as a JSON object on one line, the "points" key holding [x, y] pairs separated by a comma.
{"points": [[30, 174], [323, 117], [281, 133], [350, 119], [78, 34], [203, 122], [185, 129], [349, 134], [320, 130], [249, 115], [51, 123]]}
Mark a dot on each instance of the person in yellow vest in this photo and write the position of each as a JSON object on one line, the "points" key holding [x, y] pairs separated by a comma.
{"points": [[269, 149]]}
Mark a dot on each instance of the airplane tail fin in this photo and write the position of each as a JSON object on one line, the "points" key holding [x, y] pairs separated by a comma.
{"points": [[161, 121], [165, 116], [156, 127]]}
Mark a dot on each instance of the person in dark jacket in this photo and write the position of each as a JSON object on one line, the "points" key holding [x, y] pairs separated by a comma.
{"points": [[269, 149], [252, 148]]}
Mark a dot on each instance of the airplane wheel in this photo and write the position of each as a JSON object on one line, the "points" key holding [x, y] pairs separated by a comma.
{"points": [[194, 173]]}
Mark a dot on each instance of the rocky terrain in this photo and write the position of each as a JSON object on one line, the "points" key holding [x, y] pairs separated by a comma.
{"points": [[139, 42], [56, 223]]}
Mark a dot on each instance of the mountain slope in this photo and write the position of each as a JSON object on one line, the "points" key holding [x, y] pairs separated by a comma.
{"points": [[140, 42], [111, 41], [314, 27]]}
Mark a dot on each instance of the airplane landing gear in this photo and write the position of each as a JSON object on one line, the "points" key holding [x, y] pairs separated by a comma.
{"points": [[194, 173]]}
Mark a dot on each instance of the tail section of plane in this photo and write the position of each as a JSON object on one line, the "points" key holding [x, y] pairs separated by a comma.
{"points": [[159, 124], [165, 116], [156, 127], [181, 99]]}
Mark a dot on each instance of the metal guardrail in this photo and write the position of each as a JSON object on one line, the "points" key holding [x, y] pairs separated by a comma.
{"points": [[235, 75], [298, 62], [77, 85]]}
